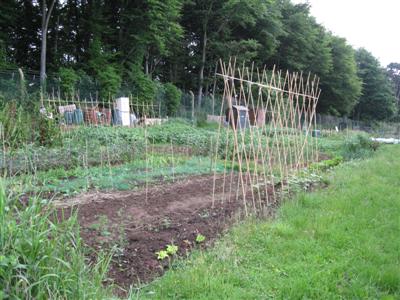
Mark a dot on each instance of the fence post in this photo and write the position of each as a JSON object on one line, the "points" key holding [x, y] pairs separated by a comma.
{"points": [[192, 95]]}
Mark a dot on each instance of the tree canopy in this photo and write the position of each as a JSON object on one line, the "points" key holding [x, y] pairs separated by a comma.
{"points": [[129, 46], [377, 99]]}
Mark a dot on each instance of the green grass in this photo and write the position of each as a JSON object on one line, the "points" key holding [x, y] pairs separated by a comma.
{"points": [[338, 243]]}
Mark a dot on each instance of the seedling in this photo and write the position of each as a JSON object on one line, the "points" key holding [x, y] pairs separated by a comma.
{"points": [[200, 238], [162, 254], [172, 249]]}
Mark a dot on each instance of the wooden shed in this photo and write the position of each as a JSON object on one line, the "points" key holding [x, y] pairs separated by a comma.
{"points": [[239, 117]]}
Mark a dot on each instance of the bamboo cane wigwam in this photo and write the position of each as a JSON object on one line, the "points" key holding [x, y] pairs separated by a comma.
{"points": [[268, 135]]}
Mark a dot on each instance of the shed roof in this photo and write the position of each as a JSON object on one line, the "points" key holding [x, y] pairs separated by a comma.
{"points": [[240, 107]]}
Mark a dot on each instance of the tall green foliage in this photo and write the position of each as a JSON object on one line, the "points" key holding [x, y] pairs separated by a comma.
{"points": [[15, 125], [144, 88], [42, 258], [377, 100], [110, 82], [342, 86], [130, 43], [68, 81], [22, 125], [102, 66], [173, 98], [393, 71]]}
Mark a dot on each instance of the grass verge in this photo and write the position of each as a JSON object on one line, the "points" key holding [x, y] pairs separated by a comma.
{"points": [[341, 242]]}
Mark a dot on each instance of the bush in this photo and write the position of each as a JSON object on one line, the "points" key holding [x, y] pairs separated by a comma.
{"points": [[173, 98], [145, 88]]}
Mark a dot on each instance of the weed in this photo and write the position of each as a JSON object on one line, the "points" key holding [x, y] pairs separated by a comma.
{"points": [[42, 258]]}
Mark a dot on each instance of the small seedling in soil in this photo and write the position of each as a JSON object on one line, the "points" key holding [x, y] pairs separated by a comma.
{"points": [[101, 225], [200, 238], [162, 254], [205, 214], [172, 249], [166, 223]]}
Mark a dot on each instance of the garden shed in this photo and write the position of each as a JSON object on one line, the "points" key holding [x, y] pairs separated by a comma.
{"points": [[239, 118]]}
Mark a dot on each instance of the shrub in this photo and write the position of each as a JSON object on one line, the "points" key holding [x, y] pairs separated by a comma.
{"points": [[145, 88], [173, 98]]}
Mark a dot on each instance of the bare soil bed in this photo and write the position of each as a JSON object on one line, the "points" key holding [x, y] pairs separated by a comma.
{"points": [[140, 223]]}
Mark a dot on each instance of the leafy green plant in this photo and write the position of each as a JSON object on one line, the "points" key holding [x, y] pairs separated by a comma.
{"points": [[173, 98], [327, 164], [172, 249], [200, 238], [162, 254]]}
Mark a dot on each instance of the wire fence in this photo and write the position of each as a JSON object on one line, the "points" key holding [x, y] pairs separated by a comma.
{"points": [[24, 86]]}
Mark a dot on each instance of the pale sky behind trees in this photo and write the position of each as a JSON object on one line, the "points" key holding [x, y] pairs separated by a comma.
{"points": [[372, 24]]}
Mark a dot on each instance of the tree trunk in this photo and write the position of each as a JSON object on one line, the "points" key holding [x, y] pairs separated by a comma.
{"points": [[56, 39], [202, 66], [45, 25], [146, 64]]}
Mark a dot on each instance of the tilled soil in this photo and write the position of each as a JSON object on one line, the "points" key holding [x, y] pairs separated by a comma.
{"points": [[140, 223]]}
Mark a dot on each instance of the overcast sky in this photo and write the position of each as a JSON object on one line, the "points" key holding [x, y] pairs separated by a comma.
{"points": [[372, 24]]}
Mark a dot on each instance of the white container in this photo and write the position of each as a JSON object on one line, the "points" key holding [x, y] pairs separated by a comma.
{"points": [[122, 104]]}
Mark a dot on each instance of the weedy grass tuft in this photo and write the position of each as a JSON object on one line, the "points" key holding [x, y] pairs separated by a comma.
{"points": [[42, 258]]}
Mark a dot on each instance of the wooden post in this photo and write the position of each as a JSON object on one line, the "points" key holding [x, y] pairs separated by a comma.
{"points": [[192, 95]]}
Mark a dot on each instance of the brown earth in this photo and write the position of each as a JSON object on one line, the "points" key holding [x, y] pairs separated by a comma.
{"points": [[140, 223]]}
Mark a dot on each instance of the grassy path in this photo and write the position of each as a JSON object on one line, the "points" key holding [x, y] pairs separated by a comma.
{"points": [[341, 242]]}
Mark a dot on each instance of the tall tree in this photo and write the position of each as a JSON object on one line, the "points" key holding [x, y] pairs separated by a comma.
{"points": [[341, 87], [211, 22], [377, 100], [46, 14], [148, 29], [393, 70]]}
